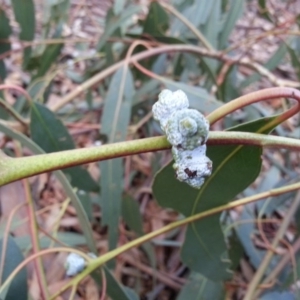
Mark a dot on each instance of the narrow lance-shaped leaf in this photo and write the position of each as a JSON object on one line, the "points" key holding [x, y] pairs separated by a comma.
{"points": [[200, 288], [157, 21], [211, 30], [197, 13], [263, 10], [5, 32], [234, 168], [25, 16], [56, 15], [119, 6], [235, 11], [114, 123], [295, 60], [48, 58], [116, 290], [271, 64], [13, 257], [243, 231], [133, 219], [113, 23]]}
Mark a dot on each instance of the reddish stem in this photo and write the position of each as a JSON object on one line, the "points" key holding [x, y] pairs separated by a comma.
{"points": [[261, 95]]}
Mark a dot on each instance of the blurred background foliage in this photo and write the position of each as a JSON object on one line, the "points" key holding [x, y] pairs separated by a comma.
{"points": [[93, 70]]}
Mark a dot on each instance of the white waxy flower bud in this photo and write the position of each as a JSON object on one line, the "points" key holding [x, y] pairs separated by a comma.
{"points": [[187, 130], [168, 102], [192, 166]]}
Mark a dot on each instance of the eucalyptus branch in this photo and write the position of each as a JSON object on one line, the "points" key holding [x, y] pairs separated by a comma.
{"points": [[12, 169]]}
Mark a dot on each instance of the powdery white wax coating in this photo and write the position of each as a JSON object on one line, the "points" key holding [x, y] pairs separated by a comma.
{"points": [[74, 264], [168, 103], [187, 126], [192, 166], [187, 135]]}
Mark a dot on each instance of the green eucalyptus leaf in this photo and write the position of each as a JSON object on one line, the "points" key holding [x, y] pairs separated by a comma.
{"points": [[157, 21], [264, 11], [51, 135], [211, 30], [119, 6], [281, 295], [235, 11], [115, 290], [48, 58], [132, 216], [295, 60], [133, 219], [200, 288], [5, 31], [199, 98], [13, 257], [228, 90], [236, 250], [114, 123], [114, 23], [131, 294], [213, 26], [71, 239], [271, 64], [25, 16], [197, 13], [244, 232], [2, 76], [234, 169]]}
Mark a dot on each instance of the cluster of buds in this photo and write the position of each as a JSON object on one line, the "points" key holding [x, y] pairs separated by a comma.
{"points": [[187, 130]]}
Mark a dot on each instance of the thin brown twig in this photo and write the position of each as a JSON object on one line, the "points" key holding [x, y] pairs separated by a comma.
{"points": [[104, 285], [26, 44], [159, 275], [263, 236], [34, 234], [282, 263], [35, 244], [292, 257], [14, 113], [173, 48]]}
